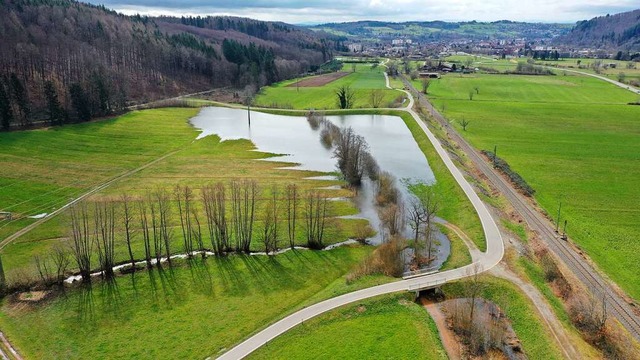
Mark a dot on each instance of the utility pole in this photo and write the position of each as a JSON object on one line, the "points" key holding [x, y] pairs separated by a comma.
{"points": [[495, 150], [249, 114], [558, 221]]}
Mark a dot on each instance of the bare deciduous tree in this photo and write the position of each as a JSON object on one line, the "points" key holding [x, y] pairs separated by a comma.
{"points": [[43, 269], [144, 228], [351, 151], [81, 239], [61, 262], [184, 197], [464, 123], [425, 85], [376, 96], [104, 236], [473, 287], [214, 200], [270, 223], [315, 218], [293, 200], [392, 218], [127, 218], [243, 197], [164, 214]]}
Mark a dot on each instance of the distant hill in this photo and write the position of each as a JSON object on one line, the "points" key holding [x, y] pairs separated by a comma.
{"points": [[442, 31], [619, 32], [80, 61]]}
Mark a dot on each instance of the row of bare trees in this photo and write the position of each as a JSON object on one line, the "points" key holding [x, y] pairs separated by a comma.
{"points": [[227, 214]]}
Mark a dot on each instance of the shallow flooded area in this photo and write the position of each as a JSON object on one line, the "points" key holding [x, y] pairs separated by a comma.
{"points": [[390, 143]]}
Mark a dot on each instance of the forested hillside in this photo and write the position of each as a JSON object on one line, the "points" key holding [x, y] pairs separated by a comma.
{"points": [[619, 31], [65, 61], [442, 30]]}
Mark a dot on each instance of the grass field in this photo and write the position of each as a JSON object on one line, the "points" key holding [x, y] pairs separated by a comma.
{"points": [[363, 81], [631, 70], [69, 160], [573, 138], [387, 327], [537, 342], [202, 308]]}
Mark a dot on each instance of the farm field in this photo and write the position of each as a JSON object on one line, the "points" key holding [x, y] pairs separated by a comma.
{"points": [[202, 307], [629, 70], [574, 139], [94, 152], [385, 327], [365, 79]]}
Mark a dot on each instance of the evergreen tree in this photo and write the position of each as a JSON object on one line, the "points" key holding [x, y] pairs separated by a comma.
{"points": [[3, 280], [80, 102], [56, 114], [20, 98], [6, 113]]}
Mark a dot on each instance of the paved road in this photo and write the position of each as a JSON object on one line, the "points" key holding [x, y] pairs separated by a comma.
{"points": [[616, 83], [583, 270], [493, 255]]}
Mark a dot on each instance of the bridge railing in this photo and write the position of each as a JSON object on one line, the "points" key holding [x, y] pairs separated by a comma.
{"points": [[426, 284]]}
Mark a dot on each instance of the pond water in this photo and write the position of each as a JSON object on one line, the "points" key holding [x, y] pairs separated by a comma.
{"points": [[390, 143]]}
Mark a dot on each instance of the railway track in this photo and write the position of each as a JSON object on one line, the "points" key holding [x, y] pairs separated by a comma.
{"points": [[616, 305]]}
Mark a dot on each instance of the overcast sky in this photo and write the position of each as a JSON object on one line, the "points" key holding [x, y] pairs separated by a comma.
{"points": [[322, 11]]}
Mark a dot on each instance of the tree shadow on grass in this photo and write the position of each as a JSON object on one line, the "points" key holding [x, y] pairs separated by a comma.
{"points": [[111, 298], [86, 306], [231, 281], [171, 292], [201, 278]]}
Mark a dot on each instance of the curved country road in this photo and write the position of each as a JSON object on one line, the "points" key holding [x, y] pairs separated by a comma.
{"points": [[488, 259], [604, 78]]}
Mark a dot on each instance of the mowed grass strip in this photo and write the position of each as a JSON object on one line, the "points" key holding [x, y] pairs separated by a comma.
{"points": [[187, 312], [385, 327], [574, 140], [365, 79]]}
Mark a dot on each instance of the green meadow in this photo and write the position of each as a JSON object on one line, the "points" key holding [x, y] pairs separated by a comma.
{"points": [[574, 139], [385, 327], [363, 81], [51, 166], [193, 310]]}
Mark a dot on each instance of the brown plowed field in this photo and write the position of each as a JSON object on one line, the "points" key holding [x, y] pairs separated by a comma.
{"points": [[319, 80]]}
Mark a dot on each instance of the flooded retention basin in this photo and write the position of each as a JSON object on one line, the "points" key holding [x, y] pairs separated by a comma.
{"points": [[390, 143]]}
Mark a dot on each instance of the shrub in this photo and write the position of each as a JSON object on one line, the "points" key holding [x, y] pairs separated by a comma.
{"points": [[513, 176]]}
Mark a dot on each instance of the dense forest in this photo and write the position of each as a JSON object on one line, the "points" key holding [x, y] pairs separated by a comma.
{"points": [[613, 32], [65, 61]]}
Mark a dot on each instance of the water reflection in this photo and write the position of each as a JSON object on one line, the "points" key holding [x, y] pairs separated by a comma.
{"points": [[389, 139]]}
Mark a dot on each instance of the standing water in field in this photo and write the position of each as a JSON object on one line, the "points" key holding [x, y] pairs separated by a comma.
{"points": [[390, 142]]}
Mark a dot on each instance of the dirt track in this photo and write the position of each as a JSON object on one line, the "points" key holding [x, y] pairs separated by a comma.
{"points": [[319, 80]]}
